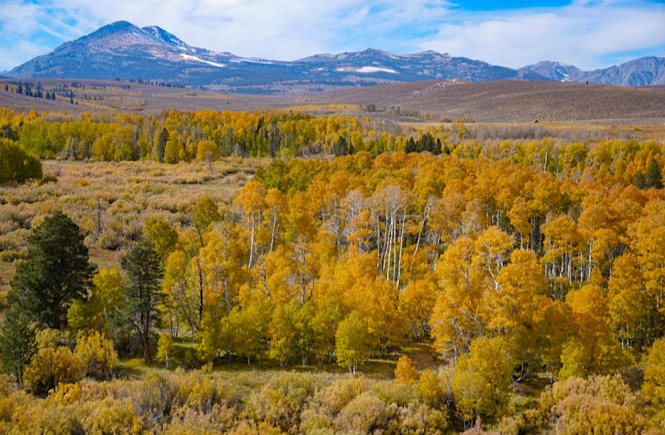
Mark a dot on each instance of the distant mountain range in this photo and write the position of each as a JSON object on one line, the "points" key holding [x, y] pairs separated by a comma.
{"points": [[124, 51], [556, 71], [645, 71]]}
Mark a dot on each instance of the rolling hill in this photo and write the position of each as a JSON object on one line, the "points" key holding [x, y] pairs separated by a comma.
{"points": [[499, 101], [513, 101]]}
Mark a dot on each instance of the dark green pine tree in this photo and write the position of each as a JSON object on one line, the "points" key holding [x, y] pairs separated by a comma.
{"points": [[639, 180], [654, 176], [274, 140], [437, 148], [426, 143], [341, 148], [17, 343], [161, 144], [420, 144], [57, 272], [141, 298], [410, 146]]}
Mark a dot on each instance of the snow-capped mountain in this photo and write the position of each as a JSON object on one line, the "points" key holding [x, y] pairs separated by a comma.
{"points": [[645, 71], [556, 71], [124, 51]]}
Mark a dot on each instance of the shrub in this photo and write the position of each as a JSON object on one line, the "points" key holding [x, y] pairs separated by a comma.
{"points": [[97, 354], [273, 408], [155, 397], [531, 422], [49, 178], [280, 403], [199, 391], [399, 394], [219, 420], [9, 256], [50, 338], [11, 405], [421, 420], [364, 414], [110, 240], [297, 386], [316, 421], [601, 404], [37, 419], [66, 394], [336, 396], [51, 367], [111, 416]]}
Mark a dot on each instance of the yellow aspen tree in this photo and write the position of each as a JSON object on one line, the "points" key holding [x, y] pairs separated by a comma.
{"points": [[353, 342], [481, 382], [405, 371]]}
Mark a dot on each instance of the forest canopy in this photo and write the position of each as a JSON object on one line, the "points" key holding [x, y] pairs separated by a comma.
{"points": [[515, 264]]}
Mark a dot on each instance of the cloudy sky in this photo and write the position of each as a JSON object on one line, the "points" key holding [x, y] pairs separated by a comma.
{"points": [[514, 33]]}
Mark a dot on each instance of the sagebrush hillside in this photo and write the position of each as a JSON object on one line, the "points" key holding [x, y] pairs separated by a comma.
{"points": [[501, 102]]}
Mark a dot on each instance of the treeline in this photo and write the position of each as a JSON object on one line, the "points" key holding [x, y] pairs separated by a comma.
{"points": [[206, 135], [177, 136], [38, 91]]}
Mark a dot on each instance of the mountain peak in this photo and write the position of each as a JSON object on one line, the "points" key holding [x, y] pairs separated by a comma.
{"points": [[375, 51], [555, 71], [550, 63], [645, 71], [116, 27], [165, 36], [123, 34]]}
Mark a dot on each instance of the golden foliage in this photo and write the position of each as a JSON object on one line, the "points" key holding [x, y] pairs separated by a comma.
{"points": [[97, 354], [51, 367], [405, 371]]}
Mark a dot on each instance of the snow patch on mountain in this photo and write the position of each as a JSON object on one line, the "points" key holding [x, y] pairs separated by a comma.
{"points": [[198, 59], [367, 70]]}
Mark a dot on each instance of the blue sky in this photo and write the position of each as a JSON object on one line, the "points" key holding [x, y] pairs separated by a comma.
{"points": [[586, 33]]}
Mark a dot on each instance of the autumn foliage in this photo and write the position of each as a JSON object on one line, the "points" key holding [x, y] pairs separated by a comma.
{"points": [[514, 262]]}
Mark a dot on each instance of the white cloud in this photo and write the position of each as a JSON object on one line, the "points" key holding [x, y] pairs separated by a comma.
{"points": [[19, 52], [582, 33], [282, 29]]}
